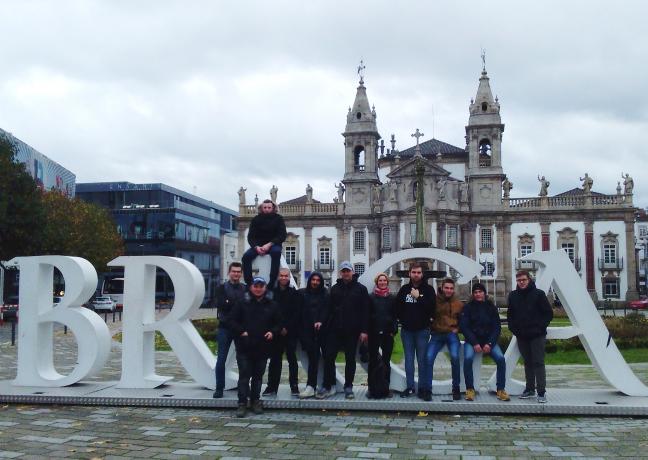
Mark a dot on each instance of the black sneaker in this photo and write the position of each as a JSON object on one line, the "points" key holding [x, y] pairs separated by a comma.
{"points": [[257, 407], [241, 411], [456, 394], [294, 390], [218, 394], [426, 395], [527, 394], [269, 392], [407, 393]]}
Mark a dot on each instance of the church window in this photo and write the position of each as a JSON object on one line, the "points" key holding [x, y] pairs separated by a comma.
{"points": [[643, 231], [486, 238], [452, 237], [484, 153], [569, 248], [325, 256], [359, 115], [412, 232], [386, 237], [290, 253], [484, 106], [414, 190], [489, 268], [359, 269], [610, 253], [568, 242], [525, 249], [359, 241], [359, 158]]}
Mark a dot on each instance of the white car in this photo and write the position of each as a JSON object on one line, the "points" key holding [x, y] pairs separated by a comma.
{"points": [[103, 303]]}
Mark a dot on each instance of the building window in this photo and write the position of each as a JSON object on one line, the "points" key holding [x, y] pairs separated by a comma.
{"points": [[412, 232], [290, 253], [609, 253], [570, 249], [486, 238], [643, 231], [452, 237], [489, 268], [325, 256], [359, 241], [525, 249], [386, 237], [359, 268], [611, 288]]}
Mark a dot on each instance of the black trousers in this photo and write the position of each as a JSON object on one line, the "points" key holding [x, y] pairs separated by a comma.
{"points": [[381, 346], [337, 340], [533, 353], [313, 345], [251, 367], [289, 345]]}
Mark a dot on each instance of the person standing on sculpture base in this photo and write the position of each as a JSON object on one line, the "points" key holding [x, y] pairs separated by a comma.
{"points": [[289, 302], [227, 294], [266, 234], [529, 314], [415, 304], [481, 326], [255, 322]]}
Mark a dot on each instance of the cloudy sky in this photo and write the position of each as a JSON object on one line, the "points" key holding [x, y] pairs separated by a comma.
{"points": [[207, 96]]}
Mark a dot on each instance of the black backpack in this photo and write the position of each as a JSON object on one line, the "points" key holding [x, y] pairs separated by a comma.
{"points": [[378, 382]]}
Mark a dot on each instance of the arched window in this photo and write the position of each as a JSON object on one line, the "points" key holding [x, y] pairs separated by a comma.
{"points": [[359, 158], [484, 153], [484, 106]]}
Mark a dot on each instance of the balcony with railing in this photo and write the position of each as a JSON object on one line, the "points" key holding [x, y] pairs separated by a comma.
{"points": [[296, 210], [528, 265], [611, 263], [570, 201], [321, 267]]}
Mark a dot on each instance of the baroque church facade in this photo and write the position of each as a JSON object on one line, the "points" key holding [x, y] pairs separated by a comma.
{"points": [[467, 207]]}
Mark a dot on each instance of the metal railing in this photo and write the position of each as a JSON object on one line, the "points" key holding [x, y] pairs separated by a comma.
{"points": [[610, 264]]}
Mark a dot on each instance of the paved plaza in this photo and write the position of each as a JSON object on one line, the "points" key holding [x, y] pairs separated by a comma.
{"points": [[49, 431]]}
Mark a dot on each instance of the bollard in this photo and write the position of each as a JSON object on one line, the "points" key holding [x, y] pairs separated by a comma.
{"points": [[113, 316], [105, 317], [13, 333], [120, 313], [65, 329]]}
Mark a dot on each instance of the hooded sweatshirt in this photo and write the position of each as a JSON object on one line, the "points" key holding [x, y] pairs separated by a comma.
{"points": [[314, 307]]}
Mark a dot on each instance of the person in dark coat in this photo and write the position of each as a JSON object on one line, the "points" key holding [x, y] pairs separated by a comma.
{"points": [[529, 313], [266, 234], [315, 313], [227, 294], [348, 324], [481, 326], [382, 324], [255, 322], [289, 302], [415, 305]]}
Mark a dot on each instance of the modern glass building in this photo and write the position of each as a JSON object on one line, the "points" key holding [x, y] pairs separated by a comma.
{"points": [[156, 219], [49, 175]]}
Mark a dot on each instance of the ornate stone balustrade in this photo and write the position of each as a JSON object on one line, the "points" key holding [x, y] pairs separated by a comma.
{"points": [[292, 210], [570, 201]]}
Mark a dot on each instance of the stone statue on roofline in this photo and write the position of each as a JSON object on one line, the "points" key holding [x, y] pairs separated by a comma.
{"points": [[588, 182], [544, 185], [273, 194], [241, 194], [628, 184]]}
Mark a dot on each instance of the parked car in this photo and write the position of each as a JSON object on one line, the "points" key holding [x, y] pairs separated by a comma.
{"points": [[103, 303], [639, 304]]}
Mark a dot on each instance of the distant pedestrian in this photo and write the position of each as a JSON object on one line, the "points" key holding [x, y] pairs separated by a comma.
{"points": [[255, 322], [227, 294], [481, 326], [415, 305], [445, 330], [529, 313]]}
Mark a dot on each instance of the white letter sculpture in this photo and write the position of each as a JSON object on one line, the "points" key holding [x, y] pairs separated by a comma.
{"points": [[557, 270], [139, 325], [38, 315]]}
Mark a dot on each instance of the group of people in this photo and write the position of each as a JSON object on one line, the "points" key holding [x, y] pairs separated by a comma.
{"points": [[268, 318]]}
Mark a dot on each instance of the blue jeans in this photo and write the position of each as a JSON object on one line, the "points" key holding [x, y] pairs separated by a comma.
{"points": [[275, 260], [437, 341], [498, 357], [415, 342], [224, 339]]}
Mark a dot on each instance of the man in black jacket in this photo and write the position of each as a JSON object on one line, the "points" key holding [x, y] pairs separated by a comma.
{"points": [[289, 301], [415, 305], [227, 294], [314, 307], [348, 323], [529, 313], [266, 234], [255, 322]]}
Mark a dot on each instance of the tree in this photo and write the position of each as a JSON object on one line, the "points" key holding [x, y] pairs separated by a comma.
{"points": [[77, 228], [22, 216]]}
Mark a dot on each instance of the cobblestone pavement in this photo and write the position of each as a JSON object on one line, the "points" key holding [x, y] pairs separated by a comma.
{"points": [[113, 433]]}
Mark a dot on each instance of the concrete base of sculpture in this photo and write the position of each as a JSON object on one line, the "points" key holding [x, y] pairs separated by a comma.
{"points": [[561, 401]]}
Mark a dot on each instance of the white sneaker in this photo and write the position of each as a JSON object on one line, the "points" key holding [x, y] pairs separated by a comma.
{"points": [[308, 392]]}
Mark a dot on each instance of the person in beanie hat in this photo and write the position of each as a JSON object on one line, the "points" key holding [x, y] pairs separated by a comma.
{"points": [[481, 327]]}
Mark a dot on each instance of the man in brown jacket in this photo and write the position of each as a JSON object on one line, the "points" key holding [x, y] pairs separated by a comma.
{"points": [[445, 329]]}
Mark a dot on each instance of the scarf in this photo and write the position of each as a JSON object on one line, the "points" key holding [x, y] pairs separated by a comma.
{"points": [[381, 292]]}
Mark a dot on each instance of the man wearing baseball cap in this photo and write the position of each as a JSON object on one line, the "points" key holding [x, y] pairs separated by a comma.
{"points": [[255, 322], [349, 323]]}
